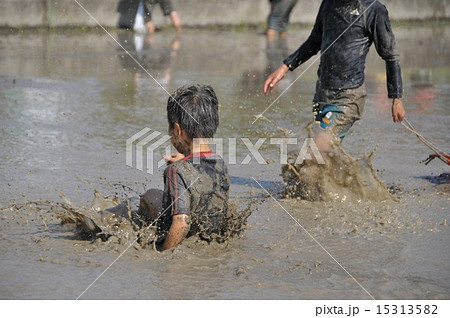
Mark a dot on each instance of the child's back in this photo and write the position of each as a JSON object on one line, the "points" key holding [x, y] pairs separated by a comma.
{"points": [[197, 186]]}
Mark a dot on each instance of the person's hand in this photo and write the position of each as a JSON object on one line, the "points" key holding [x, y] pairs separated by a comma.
{"points": [[398, 112], [173, 157], [274, 78]]}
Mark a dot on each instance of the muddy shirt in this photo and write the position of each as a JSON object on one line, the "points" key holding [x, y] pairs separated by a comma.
{"points": [[197, 186], [344, 45]]}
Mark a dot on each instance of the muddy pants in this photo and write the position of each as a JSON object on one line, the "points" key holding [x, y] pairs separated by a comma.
{"points": [[338, 110], [280, 10], [166, 6]]}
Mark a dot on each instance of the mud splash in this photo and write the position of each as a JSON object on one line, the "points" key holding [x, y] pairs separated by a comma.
{"points": [[95, 222], [341, 178]]}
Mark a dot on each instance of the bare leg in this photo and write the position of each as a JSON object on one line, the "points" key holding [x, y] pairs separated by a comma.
{"points": [[283, 34], [150, 205], [323, 141], [149, 39], [175, 18], [150, 27], [175, 45], [271, 35]]}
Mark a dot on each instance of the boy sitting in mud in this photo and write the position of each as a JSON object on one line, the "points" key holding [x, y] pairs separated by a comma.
{"points": [[196, 185], [196, 181]]}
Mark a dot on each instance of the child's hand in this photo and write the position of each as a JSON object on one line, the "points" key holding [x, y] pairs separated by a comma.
{"points": [[274, 78], [173, 157], [398, 112]]}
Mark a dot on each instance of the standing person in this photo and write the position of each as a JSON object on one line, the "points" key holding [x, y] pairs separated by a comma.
{"points": [[278, 19], [344, 31], [168, 10]]}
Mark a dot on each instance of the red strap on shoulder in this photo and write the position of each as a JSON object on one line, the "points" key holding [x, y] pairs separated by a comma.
{"points": [[204, 154]]}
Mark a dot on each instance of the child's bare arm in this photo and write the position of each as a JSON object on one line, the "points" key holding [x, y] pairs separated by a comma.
{"points": [[181, 224]]}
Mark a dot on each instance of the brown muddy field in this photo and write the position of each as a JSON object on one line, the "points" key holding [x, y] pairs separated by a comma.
{"points": [[69, 100]]}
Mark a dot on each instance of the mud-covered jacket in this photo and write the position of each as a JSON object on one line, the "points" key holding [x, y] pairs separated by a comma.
{"points": [[197, 186], [344, 31]]}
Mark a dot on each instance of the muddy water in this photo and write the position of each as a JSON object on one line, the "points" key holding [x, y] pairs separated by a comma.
{"points": [[69, 101]]}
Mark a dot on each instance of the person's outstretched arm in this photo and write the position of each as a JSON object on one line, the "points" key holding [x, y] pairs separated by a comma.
{"points": [[309, 48]]}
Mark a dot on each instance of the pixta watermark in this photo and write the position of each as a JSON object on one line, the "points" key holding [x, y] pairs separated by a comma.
{"points": [[144, 150]]}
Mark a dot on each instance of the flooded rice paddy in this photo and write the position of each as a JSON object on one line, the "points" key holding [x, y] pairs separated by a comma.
{"points": [[69, 100]]}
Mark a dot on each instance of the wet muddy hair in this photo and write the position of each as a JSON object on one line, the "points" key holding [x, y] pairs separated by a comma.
{"points": [[196, 109]]}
